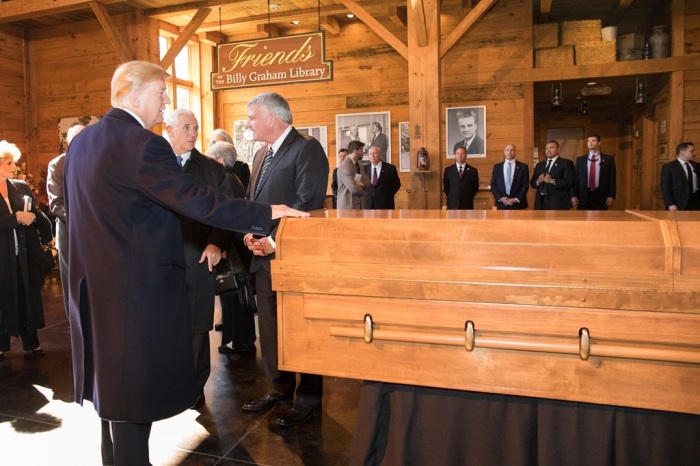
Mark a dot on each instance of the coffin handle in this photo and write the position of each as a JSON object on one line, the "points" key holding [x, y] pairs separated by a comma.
{"points": [[584, 345], [469, 335], [369, 330]]}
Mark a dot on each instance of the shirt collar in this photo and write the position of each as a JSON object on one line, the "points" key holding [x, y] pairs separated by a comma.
{"points": [[135, 116]]}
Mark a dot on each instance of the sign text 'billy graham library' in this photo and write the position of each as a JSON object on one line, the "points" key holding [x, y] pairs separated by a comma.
{"points": [[277, 60]]}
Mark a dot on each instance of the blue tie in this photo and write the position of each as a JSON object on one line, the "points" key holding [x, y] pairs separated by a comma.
{"points": [[509, 176], [179, 160], [266, 163]]}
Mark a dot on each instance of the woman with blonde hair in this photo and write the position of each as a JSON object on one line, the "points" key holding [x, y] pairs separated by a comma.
{"points": [[21, 276]]}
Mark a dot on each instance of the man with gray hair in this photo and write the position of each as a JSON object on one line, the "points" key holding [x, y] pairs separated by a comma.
{"points": [[291, 168], [203, 244]]}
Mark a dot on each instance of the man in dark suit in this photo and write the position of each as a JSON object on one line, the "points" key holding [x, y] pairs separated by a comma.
{"points": [[509, 182], [679, 180], [460, 182], [553, 180], [130, 332], [342, 153], [594, 186], [54, 190], [203, 244], [384, 179], [468, 125], [292, 168]]}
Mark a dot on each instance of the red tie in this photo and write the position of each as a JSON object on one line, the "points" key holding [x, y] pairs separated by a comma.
{"points": [[591, 175], [374, 176], [460, 171]]}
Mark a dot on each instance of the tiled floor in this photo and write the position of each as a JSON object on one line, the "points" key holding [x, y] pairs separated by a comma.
{"points": [[39, 423]]}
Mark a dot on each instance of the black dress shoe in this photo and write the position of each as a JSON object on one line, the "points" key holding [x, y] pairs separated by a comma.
{"points": [[35, 352], [266, 402], [298, 415]]}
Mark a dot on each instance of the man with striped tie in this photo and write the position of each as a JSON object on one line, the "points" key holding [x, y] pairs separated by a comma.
{"points": [[291, 167]]}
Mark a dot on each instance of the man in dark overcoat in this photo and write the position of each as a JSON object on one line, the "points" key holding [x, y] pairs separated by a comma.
{"points": [[130, 332]]}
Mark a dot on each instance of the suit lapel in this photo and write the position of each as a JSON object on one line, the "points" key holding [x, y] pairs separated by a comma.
{"points": [[284, 148]]}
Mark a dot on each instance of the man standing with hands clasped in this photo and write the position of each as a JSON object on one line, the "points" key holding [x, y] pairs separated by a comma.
{"points": [[384, 179], [679, 180], [509, 182], [291, 168], [553, 180], [594, 188]]}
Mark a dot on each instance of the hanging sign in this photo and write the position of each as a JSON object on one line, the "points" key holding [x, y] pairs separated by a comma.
{"points": [[277, 60]]}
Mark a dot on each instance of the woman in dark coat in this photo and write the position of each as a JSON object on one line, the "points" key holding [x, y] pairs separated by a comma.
{"points": [[240, 169], [21, 310]]}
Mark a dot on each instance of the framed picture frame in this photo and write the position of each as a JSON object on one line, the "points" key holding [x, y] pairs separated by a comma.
{"points": [[371, 128], [404, 146], [320, 133], [65, 123], [466, 126], [243, 140]]}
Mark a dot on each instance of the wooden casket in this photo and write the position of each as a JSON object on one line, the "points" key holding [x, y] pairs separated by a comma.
{"points": [[598, 307]]}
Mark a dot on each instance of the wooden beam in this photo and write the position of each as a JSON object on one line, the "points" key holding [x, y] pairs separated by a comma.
{"points": [[122, 48], [398, 15], [472, 17], [184, 37], [545, 9], [267, 30], [376, 27], [282, 17], [331, 25], [16, 10], [617, 13], [419, 22]]}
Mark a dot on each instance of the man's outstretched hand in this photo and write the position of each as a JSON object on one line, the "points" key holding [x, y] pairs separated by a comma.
{"points": [[282, 210]]}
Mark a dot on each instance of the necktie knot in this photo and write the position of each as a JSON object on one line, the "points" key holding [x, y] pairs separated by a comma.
{"points": [[179, 160]]}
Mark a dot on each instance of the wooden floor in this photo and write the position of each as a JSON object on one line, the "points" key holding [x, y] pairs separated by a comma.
{"points": [[40, 424]]}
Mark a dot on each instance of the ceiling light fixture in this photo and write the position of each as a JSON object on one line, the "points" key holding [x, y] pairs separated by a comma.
{"points": [[274, 6], [583, 107], [640, 91], [296, 22], [350, 15]]}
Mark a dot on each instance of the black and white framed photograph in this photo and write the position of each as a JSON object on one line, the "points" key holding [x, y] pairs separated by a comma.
{"points": [[374, 129], [320, 133], [243, 140], [404, 147], [466, 127]]}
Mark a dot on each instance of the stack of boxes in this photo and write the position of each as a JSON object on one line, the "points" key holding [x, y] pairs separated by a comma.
{"points": [[630, 46], [579, 42]]}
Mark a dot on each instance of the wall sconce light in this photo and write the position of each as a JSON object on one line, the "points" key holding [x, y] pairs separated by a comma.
{"points": [[583, 107], [555, 94], [640, 91]]}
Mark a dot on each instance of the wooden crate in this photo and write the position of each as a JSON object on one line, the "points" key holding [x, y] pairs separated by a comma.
{"points": [[545, 35], [592, 53], [555, 56], [579, 32]]}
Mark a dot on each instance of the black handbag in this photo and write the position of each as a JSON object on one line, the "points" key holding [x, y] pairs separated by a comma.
{"points": [[225, 278]]}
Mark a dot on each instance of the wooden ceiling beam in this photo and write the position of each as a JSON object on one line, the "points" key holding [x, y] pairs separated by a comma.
{"points": [[16, 10], [122, 48], [469, 20], [184, 37], [376, 27], [398, 15], [420, 26], [331, 25], [275, 17]]}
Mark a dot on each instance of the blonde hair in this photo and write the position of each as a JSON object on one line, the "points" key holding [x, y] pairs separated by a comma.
{"points": [[7, 150], [134, 75]]}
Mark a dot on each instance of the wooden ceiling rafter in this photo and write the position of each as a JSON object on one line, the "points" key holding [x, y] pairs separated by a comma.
{"points": [[16, 10], [184, 37], [545, 10], [419, 22], [121, 47], [469, 20], [398, 15], [376, 27]]}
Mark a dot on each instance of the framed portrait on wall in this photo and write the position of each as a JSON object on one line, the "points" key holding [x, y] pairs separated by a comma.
{"points": [[320, 133], [65, 123], [243, 140], [404, 147], [466, 127], [374, 129]]}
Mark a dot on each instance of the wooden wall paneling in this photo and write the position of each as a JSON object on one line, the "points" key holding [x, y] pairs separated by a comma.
{"points": [[12, 87], [32, 105]]}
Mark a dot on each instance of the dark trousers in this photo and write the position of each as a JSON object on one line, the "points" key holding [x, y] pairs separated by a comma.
{"points": [[281, 383], [594, 201], [125, 443], [30, 338], [693, 201], [202, 358]]}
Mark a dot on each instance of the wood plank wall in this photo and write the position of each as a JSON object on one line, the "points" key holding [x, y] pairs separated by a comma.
{"points": [[12, 89], [691, 88]]}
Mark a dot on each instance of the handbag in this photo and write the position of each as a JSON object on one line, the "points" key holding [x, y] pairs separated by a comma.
{"points": [[225, 278]]}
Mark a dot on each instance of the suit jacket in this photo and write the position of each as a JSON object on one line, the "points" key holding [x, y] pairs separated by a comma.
{"points": [[349, 195], [27, 274], [518, 188], [242, 171], [557, 196], [130, 330], [196, 236], [606, 179], [297, 176], [674, 184], [381, 195], [460, 191], [477, 146]]}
